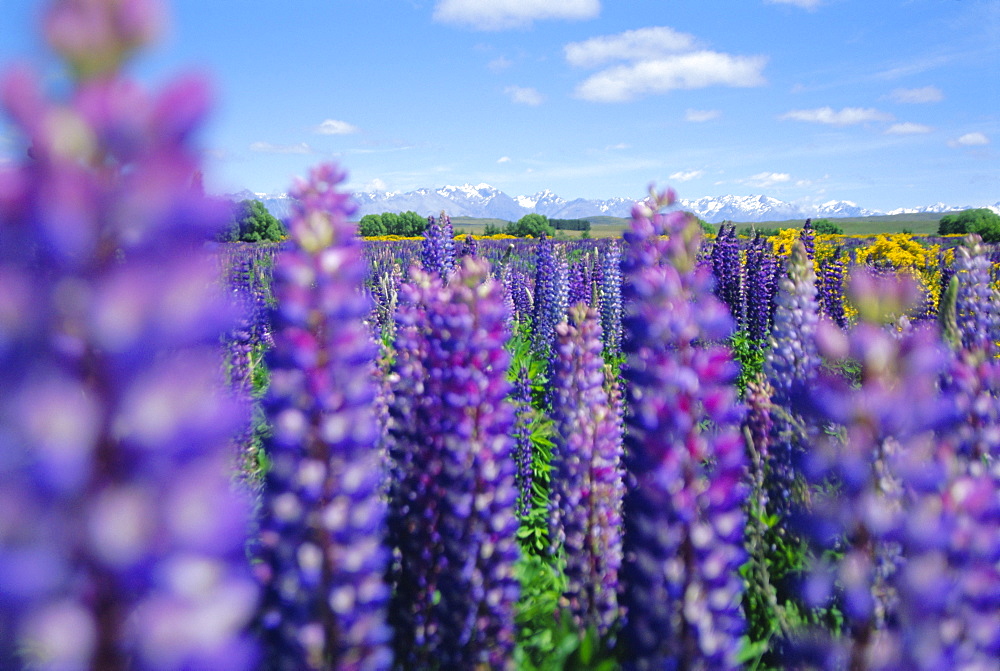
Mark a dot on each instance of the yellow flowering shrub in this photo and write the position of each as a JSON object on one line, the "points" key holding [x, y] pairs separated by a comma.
{"points": [[904, 254], [781, 244]]}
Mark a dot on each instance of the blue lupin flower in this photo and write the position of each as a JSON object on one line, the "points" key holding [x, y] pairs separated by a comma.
{"points": [[586, 473], [610, 297], [452, 502], [682, 509], [761, 267], [551, 296], [323, 519], [438, 249]]}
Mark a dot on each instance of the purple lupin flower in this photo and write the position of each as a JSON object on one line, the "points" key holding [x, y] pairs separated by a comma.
{"points": [[761, 270], [610, 298], [726, 267], [808, 239], [519, 288], [323, 519], [438, 249], [452, 503], [792, 358], [977, 304], [550, 298], [469, 247], [121, 538], [831, 288], [885, 470], [682, 510], [578, 283], [524, 477], [586, 473], [790, 366]]}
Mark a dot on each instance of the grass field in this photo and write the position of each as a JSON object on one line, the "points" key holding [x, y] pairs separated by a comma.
{"points": [[605, 227]]}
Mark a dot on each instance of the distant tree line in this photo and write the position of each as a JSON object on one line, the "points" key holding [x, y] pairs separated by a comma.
{"points": [[408, 224], [570, 224], [983, 221]]}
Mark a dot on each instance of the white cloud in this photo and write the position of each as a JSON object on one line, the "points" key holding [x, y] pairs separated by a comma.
{"points": [[766, 179], [907, 128], [268, 148], [524, 95], [619, 146], [698, 116], [503, 159], [334, 127], [804, 4], [686, 176], [632, 45], [970, 140], [504, 14], [684, 71], [376, 185], [499, 64], [926, 94], [845, 117]]}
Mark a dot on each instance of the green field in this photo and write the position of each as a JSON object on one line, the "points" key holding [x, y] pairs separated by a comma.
{"points": [[604, 227]]}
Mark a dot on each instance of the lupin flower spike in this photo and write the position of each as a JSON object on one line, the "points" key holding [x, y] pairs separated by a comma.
{"points": [[586, 479], [323, 516], [452, 521], [682, 510]]}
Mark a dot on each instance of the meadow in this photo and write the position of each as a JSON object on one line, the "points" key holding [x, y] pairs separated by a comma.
{"points": [[921, 224], [659, 450]]}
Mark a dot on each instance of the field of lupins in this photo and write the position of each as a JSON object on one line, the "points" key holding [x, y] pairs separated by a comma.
{"points": [[657, 452]]}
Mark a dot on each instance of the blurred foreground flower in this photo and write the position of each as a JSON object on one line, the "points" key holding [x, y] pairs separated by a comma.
{"points": [[121, 540], [685, 458]]}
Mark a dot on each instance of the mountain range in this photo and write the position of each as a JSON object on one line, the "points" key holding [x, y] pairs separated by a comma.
{"points": [[485, 201]]}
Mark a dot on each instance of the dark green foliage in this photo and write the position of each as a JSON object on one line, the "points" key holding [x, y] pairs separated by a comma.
{"points": [[251, 222], [827, 227], [750, 355], [983, 221], [408, 224], [371, 225], [570, 224], [530, 224], [492, 229]]}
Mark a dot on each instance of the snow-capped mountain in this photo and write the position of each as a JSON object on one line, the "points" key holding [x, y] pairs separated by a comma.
{"points": [[485, 201]]}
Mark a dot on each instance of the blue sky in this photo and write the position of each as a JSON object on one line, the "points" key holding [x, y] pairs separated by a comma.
{"points": [[887, 103]]}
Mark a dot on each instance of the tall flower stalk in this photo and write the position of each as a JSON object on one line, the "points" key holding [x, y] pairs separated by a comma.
{"points": [[323, 522], [586, 478], [452, 521], [609, 293], [684, 455], [437, 252], [121, 538], [551, 296]]}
